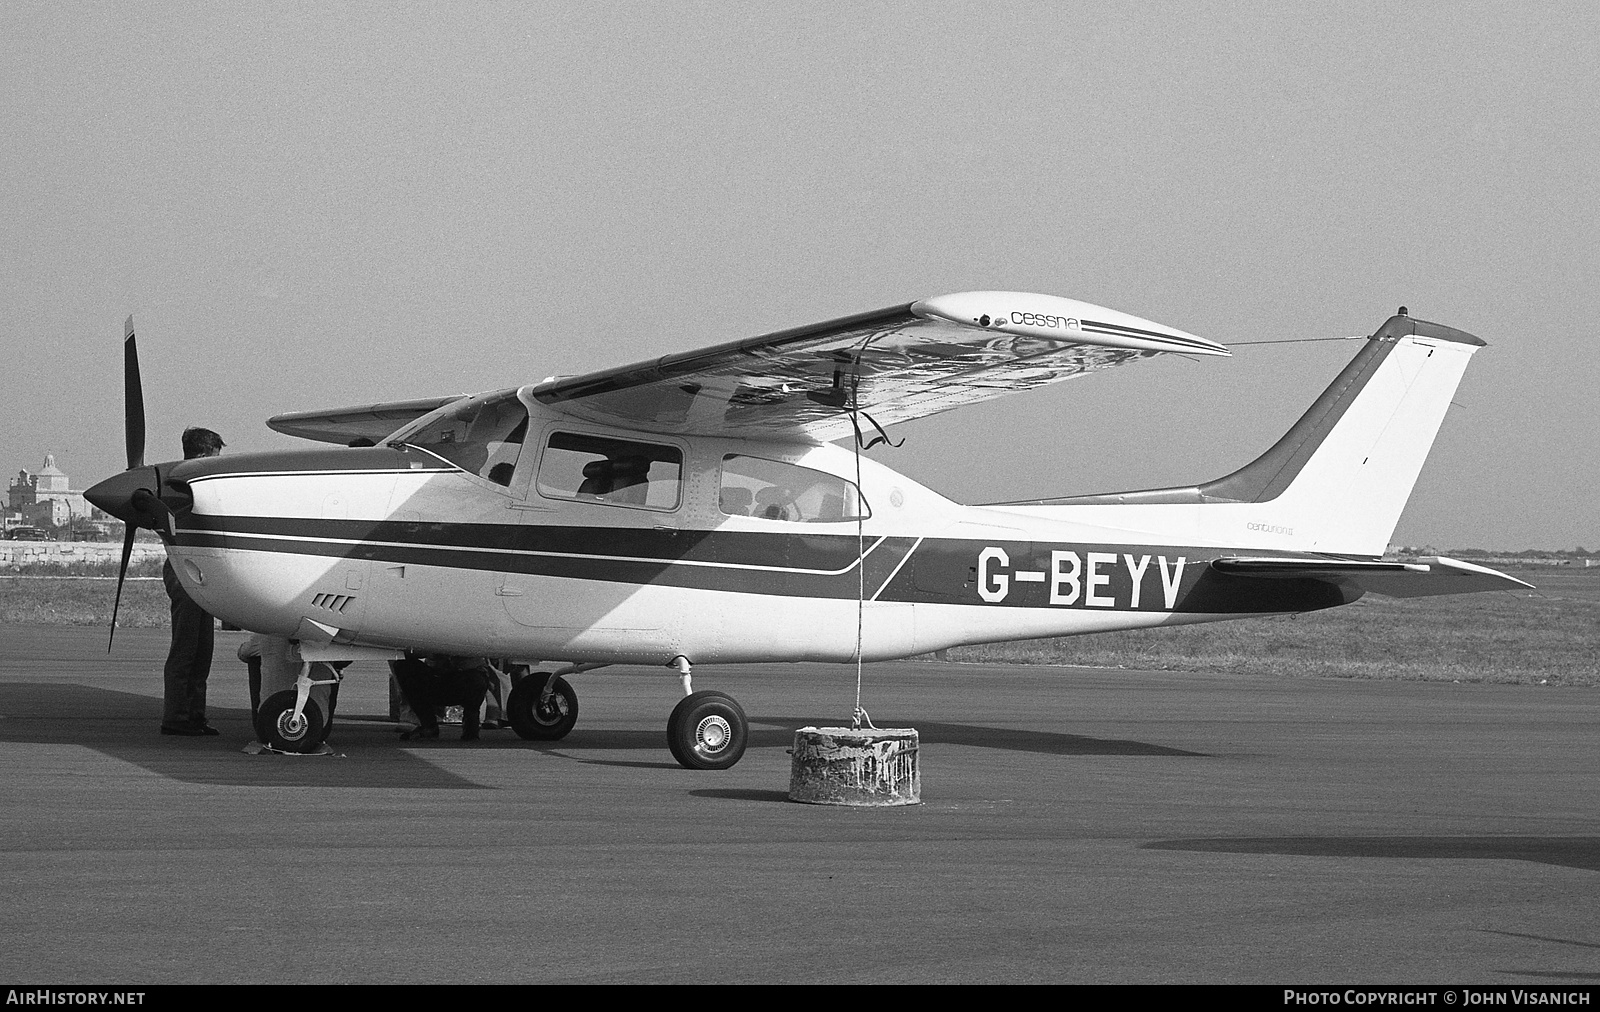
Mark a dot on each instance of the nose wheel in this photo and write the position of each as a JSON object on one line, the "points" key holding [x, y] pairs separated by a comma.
{"points": [[277, 725], [707, 731]]}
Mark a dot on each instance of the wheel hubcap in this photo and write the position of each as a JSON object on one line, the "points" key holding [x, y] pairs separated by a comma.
{"points": [[712, 735], [292, 727], [552, 711]]}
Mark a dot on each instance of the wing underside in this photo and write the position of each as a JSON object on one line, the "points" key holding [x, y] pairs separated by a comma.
{"points": [[364, 421], [1427, 577], [896, 364]]}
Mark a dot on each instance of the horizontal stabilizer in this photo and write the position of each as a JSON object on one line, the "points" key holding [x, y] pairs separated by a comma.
{"points": [[1426, 577], [364, 421]]}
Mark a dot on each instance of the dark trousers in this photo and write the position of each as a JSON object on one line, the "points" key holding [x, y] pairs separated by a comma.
{"points": [[426, 688], [189, 659]]}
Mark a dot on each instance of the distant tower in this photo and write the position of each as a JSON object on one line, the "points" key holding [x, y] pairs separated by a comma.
{"points": [[23, 492], [51, 478]]}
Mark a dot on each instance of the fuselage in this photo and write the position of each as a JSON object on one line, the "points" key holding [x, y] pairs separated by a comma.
{"points": [[521, 532]]}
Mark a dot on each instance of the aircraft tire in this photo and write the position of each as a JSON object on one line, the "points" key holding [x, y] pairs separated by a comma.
{"points": [[554, 721], [274, 727], [707, 731]]}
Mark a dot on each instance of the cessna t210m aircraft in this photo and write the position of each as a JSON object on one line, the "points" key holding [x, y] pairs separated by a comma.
{"points": [[695, 510]]}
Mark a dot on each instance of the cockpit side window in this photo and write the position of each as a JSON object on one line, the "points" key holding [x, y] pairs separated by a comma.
{"points": [[617, 472], [774, 490], [483, 435]]}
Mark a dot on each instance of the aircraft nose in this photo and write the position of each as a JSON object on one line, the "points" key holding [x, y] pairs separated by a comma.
{"points": [[115, 495]]}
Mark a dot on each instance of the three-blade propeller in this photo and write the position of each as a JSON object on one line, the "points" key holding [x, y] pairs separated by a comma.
{"points": [[133, 427]]}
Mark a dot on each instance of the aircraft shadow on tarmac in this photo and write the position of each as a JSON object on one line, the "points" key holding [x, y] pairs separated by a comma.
{"points": [[123, 725], [778, 732], [1039, 742], [1581, 852]]}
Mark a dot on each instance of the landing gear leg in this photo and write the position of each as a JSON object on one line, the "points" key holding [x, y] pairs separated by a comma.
{"points": [[707, 730], [291, 720]]}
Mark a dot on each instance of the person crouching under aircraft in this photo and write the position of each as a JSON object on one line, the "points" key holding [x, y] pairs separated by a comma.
{"points": [[436, 680]]}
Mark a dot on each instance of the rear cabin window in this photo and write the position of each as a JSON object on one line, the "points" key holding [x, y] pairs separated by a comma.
{"points": [[482, 435], [773, 490], [617, 472]]}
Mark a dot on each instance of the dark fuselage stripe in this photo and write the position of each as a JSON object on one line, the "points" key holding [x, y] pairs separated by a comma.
{"points": [[820, 553], [884, 556], [896, 569]]}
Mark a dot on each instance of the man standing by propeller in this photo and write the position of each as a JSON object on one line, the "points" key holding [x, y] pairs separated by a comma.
{"points": [[193, 631], [133, 498]]}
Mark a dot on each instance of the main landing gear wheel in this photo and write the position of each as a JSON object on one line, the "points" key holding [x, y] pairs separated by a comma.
{"points": [[549, 721], [276, 725], [707, 731]]}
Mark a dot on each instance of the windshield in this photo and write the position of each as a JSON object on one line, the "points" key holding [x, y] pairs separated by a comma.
{"points": [[481, 434]]}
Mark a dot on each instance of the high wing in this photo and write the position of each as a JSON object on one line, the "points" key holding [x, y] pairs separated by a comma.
{"points": [[1427, 577], [364, 421], [895, 364]]}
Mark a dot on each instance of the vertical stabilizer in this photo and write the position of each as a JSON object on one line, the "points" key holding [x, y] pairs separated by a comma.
{"points": [[1339, 478], [1343, 473]]}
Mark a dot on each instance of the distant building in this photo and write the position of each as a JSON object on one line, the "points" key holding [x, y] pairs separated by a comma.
{"points": [[45, 498]]}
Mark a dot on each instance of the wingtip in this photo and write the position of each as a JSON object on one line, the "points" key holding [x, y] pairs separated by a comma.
{"points": [[1049, 316]]}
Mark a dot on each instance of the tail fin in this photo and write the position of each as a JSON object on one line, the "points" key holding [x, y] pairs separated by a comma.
{"points": [[1338, 480]]}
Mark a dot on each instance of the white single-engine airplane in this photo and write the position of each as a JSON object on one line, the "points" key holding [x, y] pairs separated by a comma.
{"points": [[692, 510]]}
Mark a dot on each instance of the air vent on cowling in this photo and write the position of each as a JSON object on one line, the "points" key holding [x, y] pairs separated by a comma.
{"points": [[332, 602]]}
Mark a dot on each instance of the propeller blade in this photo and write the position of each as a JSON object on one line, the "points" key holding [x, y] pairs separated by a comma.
{"points": [[133, 401], [122, 573]]}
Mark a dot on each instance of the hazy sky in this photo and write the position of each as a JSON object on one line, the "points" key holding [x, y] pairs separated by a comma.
{"points": [[315, 205]]}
